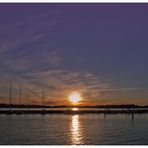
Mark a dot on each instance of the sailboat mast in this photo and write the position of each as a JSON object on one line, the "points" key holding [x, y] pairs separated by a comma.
{"points": [[10, 97], [20, 96], [43, 100], [27, 99], [10, 92]]}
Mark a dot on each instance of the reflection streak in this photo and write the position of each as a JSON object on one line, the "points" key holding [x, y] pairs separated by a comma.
{"points": [[76, 132]]}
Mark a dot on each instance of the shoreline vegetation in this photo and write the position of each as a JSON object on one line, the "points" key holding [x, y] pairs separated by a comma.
{"points": [[72, 106], [70, 111]]}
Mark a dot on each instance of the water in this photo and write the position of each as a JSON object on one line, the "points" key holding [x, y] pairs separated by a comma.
{"points": [[89, 129]]}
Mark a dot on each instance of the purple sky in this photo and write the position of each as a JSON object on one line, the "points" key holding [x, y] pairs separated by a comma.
{"points": [[99, 50]]}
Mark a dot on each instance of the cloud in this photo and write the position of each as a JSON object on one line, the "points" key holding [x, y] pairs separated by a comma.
{"points": [[124, 96], [28, 49], [58, 84]]}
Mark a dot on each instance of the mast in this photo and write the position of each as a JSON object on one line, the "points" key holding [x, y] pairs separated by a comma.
{"points": [[43, 100], [10, 97], [27, 99], [20, 97]]}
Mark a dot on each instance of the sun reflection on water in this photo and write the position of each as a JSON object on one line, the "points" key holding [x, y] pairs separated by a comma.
{"points": [[75, 109], [76, 132]]}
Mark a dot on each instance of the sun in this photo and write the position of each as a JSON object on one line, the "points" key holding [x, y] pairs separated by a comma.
{"points": [[74, 97]]}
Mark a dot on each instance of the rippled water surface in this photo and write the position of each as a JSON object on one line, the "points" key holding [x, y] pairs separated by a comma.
{"points": [[89, 129]]}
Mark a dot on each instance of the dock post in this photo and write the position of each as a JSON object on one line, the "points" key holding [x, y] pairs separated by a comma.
{"points": [[132, 116], [104, 115]]}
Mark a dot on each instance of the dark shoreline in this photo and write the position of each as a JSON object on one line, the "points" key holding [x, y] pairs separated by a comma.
{"points": [[106, 111], [120, 106]]}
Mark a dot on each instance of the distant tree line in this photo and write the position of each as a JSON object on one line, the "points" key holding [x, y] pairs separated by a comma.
{"points": [[66, 106]]}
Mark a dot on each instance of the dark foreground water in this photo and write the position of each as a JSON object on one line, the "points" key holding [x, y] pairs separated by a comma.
{"points": [[73, 129]]}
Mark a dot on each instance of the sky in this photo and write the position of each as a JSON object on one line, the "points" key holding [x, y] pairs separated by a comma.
{"points": [[99, 50]]}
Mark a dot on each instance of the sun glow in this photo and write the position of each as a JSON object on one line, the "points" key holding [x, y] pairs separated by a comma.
{"points": [[75, 97]]}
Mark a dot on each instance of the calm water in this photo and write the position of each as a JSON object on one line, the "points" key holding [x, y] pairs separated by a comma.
{"points": [[89, 129]]}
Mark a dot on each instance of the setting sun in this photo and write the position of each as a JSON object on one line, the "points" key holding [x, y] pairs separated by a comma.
{"points": [[75, 97]]}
